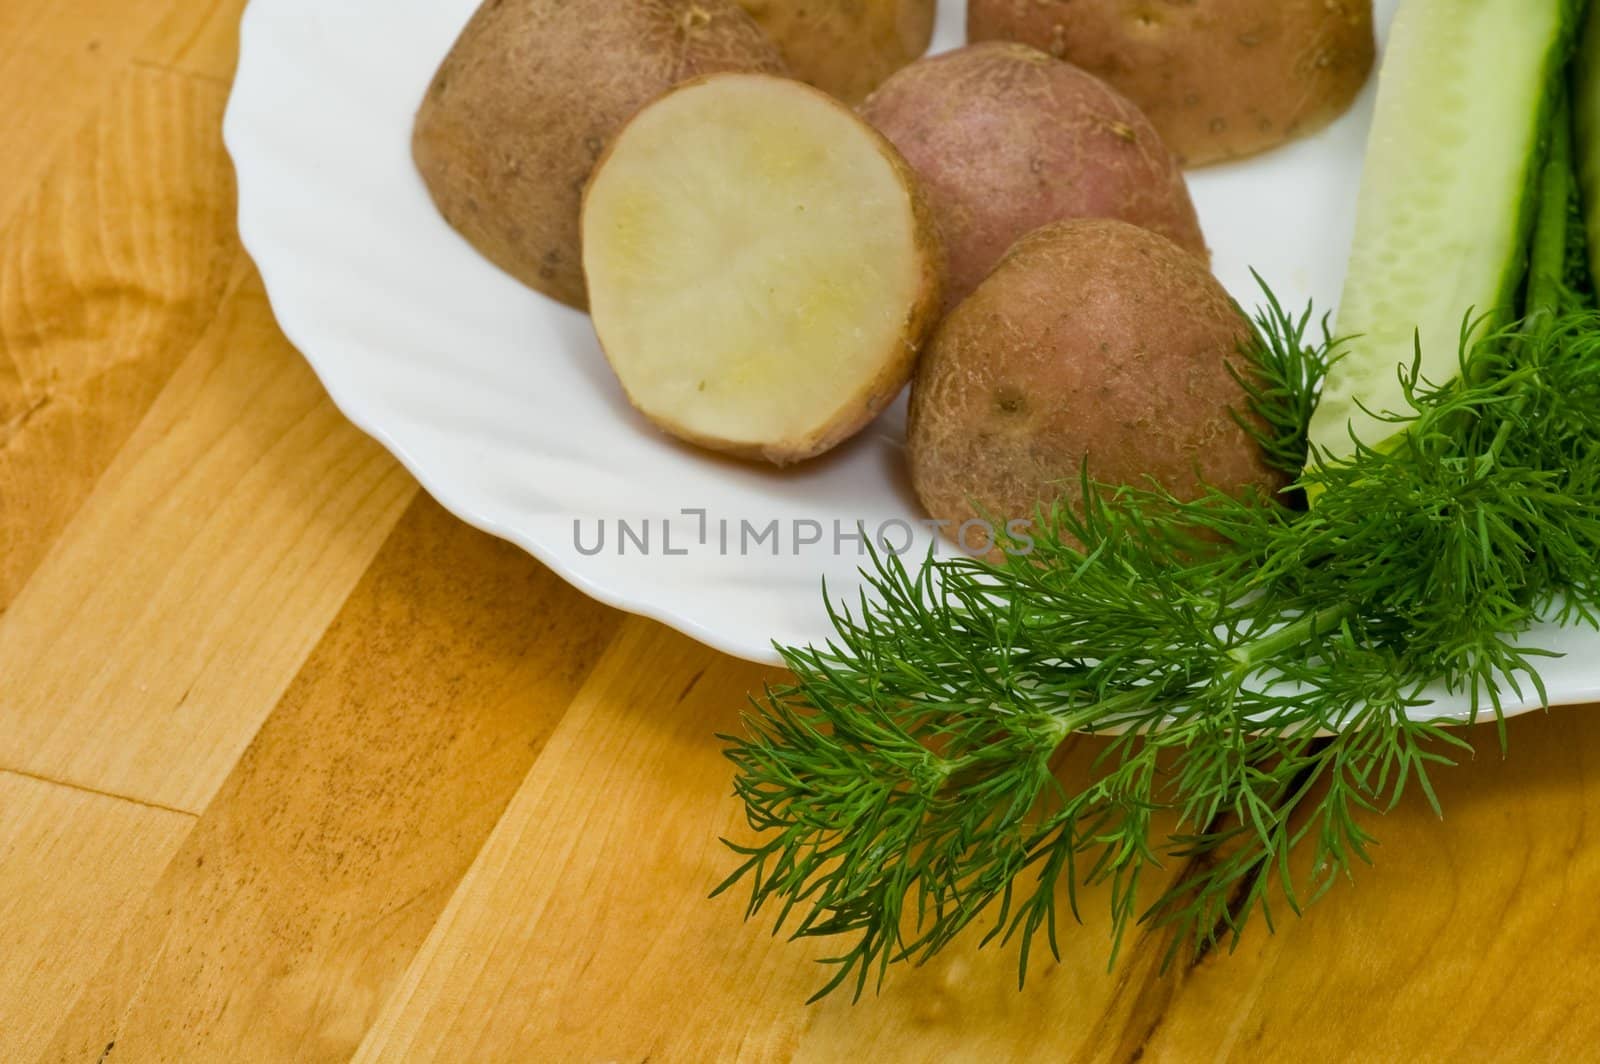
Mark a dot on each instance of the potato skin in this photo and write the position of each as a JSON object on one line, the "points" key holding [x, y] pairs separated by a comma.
{"points": [[1007, 139], [846, 47], [1093, 341], [530, 95], [1221, 79]]}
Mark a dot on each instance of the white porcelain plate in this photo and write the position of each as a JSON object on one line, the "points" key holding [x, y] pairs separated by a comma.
{"points": [[500, 402]]}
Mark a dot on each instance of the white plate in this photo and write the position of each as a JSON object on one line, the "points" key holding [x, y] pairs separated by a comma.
{"points": [[499, 400]]}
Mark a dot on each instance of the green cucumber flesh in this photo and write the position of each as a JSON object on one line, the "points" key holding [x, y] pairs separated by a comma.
{"points": [[1448, 198]]}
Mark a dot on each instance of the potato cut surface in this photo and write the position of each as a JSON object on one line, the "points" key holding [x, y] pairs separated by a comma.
{"points": [[760, 271]]}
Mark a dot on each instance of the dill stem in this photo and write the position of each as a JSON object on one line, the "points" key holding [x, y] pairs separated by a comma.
{"points": [[1247, 657], [1291, 635], [1097, 712]]}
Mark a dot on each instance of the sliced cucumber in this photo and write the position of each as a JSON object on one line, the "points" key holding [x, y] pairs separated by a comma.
{"points": [[1448, 197]]}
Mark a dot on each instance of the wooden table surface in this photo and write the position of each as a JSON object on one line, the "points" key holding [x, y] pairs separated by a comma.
{"points": [[294, 766]]}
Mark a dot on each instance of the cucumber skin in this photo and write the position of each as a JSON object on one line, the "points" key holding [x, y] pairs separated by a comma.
{"points": [[1586, 123], [1508, 301], [1558, 66]]}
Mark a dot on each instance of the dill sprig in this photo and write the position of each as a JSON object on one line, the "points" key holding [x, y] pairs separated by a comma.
{"points": [[1263, 673], [902, 786], [1282, 378]]}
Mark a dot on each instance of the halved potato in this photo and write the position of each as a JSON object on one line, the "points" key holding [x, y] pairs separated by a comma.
{"points": [[762, 269]]}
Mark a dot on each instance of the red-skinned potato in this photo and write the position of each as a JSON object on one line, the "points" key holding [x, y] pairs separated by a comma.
{"points": [[528, 99], [1093, 342], [1221, 79], [1006, 139]]}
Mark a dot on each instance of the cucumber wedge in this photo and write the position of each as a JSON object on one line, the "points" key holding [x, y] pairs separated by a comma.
{"points": [[1449, 194]]}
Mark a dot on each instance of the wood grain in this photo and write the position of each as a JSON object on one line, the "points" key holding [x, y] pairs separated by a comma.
{"points": [[201, 39], [108, 277], [569, 936], [57, 61], [302, 893], [1469, 939], [583, 932], [73, 867], [174, 610]]}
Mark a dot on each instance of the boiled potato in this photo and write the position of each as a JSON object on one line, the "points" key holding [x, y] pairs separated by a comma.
{"points": [[762, 268], [1221, 79], [846, 47], [1007, 139], [528, 98], [1093, 342]]}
